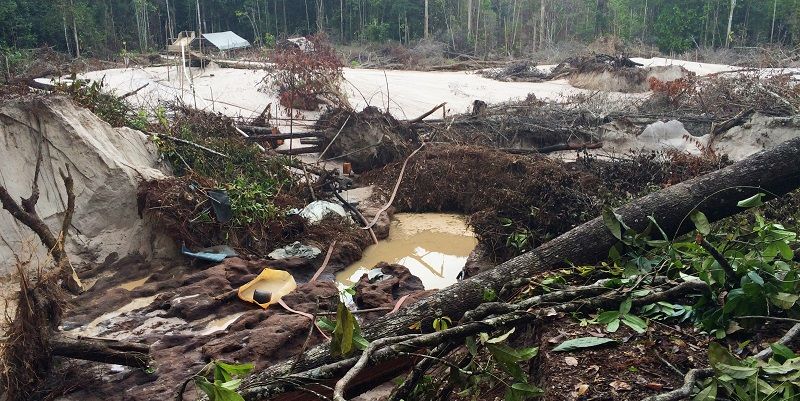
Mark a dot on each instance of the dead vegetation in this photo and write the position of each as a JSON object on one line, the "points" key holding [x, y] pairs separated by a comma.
{"points": [[516, 202]]}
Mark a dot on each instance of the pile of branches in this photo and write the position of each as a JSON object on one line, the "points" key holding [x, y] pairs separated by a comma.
{"points": [[526, 71], [529, 123], [521, 71], [724, 96], [183, 209], [595, 64]]}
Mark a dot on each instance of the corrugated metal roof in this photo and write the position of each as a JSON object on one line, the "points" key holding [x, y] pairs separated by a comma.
{"points": [[226, 40]]}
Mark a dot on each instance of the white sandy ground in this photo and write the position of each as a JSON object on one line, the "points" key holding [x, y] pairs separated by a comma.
{"points": [[239, 92], [242, 92]]}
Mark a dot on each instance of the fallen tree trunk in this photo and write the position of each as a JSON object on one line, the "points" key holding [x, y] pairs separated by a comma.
{"points": [[299, 151], [774, 172], [101, 350], [553, 148]]}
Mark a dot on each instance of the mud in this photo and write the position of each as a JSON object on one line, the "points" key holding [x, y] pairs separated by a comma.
{"points": [[433, 246]]}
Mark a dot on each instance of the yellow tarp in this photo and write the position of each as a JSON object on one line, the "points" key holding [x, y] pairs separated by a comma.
{"points": [[276, 282]]}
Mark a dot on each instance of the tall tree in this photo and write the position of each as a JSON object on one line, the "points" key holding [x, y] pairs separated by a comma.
{"points": [[729, 32]]}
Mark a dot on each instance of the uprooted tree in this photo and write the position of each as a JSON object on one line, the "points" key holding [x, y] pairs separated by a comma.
{"points": [[32, 337], [774, 173]]}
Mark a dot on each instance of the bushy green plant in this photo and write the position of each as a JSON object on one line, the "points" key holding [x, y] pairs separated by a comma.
{"points": [[750, 270], [226, 380], [251, 179], [751, 378], [108, 107], [251, 201]]}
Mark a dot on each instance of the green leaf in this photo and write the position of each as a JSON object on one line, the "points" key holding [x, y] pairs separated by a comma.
{"points": [[583, 342], [612, 222], [507, 358], [608, 317], [612, 326], [231, 385], [472, 346], [216, 392], [707, 394], [326, 324], [783, 352], [784, 300], [753, 201], [501, 338], [786, 251], [342, 341], [527, 353], [625, 306], [634, 322], [503, 353], [224, 372], [736, 372], [700, 222], [718, 354], [526, 390], [360, 342], [755, 278]]}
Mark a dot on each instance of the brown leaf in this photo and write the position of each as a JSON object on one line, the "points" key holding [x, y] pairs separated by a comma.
{"points": [[580, 390], [654, 386], [620, 386]]}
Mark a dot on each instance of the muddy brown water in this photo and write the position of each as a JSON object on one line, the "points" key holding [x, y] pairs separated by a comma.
{"points": [[433, 246]]}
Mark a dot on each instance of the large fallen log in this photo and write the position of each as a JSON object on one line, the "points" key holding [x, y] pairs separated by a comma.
{"points": [[102, 350], [774, 172]]}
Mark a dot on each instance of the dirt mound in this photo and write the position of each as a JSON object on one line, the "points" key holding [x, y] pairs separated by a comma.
{"points": [[368, 139], [626, 80], [106, 163]]}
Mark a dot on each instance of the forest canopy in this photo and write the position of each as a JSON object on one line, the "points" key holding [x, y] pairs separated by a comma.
{"points": [[105, 28]]}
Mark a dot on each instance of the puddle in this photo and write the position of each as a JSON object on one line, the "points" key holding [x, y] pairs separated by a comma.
{"points": [[220, 324], [433, 246], [132, 285], [93, 329]]}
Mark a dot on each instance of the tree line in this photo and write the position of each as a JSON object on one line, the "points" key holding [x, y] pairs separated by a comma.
{"points": [[107, 27]]}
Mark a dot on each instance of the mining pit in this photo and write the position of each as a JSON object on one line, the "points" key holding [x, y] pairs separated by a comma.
{"points": [[436, 199]]}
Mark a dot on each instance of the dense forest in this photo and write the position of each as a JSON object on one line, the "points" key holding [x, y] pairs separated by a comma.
{"points": [[106, 27]]}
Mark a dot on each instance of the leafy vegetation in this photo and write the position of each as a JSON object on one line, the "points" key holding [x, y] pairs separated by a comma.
{"points": [[750, 269], [251, 179], [302, 78], [751, 378], [226, 380], [108, 107], [346, 332]]}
